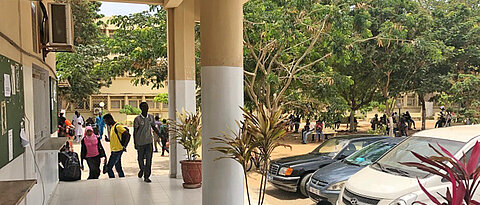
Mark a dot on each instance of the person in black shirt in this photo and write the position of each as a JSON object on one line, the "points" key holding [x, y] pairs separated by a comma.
{"points": [[62, 127]]}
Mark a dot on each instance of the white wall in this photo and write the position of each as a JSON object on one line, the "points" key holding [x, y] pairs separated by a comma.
{"points": [[16, 24]]}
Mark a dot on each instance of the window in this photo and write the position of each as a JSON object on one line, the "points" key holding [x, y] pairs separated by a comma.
{"points": [[81, 106], [110, 32], [96, 100], [134, 101], [165, 105], [411, 100], [151, 104], [353, 147], [117, 103]]}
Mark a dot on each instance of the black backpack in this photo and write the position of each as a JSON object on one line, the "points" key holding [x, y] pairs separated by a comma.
{"points": [[69, 166], [124, 139]]}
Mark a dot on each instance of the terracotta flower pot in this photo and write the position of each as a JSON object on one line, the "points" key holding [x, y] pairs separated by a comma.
{"points": [[192, 173]]}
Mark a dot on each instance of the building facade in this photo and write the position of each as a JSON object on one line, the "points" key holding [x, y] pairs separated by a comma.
{"points": [[120, 93]]}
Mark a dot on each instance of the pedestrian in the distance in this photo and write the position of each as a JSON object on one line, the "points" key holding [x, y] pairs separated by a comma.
{"points": [[307, 130], [78, 122], [156, 138], [164, 136], [100, 124], [117, 133], [62, 127], [319, 130], [143, 139], [374, 122], [92, 151]]}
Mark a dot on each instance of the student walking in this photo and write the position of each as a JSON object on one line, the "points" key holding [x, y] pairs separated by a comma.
{"points": [[92, 151], [142, 137], [164, 136], [156, 138], [117, 133], [78, 122], [100, 124]]}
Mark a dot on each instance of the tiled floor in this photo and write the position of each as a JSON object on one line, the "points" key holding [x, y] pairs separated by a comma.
{"points": [[126, 191]]}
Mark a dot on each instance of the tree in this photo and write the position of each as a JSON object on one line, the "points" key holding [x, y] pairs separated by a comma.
{"points": [[456, 24], [362, 89], [290, 41], [429, 70], [400, 23], [161, 98], [82, 69], [140, 46]]}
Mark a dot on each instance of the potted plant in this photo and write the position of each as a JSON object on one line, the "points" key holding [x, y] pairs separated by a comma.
{"points": [[261, 130], [187, 132]]}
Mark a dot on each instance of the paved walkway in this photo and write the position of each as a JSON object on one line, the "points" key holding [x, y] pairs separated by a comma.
{"points": [[126, 191]]}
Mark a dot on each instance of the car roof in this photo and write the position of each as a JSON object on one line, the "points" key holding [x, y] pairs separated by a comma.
{"points": [[359, 136], [462, 133], [393, 139]]}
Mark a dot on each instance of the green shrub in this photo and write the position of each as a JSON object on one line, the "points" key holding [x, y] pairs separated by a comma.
{"points": [[129, 110]]}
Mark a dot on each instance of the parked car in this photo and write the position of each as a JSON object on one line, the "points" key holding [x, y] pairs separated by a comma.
{"points": [[388, 182], [292, 173], [326, 182]]}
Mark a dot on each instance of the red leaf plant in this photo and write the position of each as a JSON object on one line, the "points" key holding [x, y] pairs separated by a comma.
{"points": [[464, 176]]}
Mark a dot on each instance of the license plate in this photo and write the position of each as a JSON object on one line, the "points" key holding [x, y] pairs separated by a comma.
{"points": [[315, 191], [270, 178]]}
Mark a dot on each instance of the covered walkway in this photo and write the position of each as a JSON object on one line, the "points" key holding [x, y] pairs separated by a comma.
{"points": [[127, 191]]}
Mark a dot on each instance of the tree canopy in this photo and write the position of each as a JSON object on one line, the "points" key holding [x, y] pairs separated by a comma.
{"points": [[314, 57]]}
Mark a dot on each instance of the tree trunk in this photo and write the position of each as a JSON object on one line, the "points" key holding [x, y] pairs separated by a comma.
{"points": [[424, 112], [352, 120], [388, 111]]}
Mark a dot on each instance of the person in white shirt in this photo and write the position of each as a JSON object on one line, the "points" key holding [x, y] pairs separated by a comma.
{"points": [[78, 121]]}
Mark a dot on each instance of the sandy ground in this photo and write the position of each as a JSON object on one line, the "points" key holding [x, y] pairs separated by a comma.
{"points": [[273, 195]]}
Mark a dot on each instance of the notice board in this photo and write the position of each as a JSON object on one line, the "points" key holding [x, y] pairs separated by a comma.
{"points": [[12, 110]]}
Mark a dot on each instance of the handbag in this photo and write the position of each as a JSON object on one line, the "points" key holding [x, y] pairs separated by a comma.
{"points": [[105, 167]]}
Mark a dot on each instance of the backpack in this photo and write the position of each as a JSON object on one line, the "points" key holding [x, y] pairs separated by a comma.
{"points": [[124, 140], [69, 166], [163, 131]]}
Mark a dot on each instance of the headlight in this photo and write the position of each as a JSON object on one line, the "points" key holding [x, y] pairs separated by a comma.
{"points": [[337, 186], [407, 199], [285, 171]]}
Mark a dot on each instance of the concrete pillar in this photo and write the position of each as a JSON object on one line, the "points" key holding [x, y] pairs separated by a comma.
{"points": [[109, 103], [181, 71], [221, 32]]}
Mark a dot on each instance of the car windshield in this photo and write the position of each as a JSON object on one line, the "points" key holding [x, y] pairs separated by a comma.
{"points": [[369, 154], [402, 153], [331, 147]]}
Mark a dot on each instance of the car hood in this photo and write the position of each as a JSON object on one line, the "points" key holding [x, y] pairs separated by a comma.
{"points": [[384, 186], [300, 159], [336, 172]]}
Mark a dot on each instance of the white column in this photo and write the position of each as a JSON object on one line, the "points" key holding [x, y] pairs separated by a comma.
{"points": [[222, 96], [181, 71]]}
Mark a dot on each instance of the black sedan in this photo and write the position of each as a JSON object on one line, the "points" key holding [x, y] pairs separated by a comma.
{"points": [[292, 173]]}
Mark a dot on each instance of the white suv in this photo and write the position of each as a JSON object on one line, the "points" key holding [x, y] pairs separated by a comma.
{"points": [[388, 182]]}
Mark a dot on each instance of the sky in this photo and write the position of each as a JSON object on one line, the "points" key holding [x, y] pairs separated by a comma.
{"points": [[113, 8]]}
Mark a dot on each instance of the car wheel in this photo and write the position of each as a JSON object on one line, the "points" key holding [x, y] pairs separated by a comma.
{"points": [[324, 202], [303, 184]]}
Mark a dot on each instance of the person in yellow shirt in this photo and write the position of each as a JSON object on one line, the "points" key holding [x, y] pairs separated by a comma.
{"points": [[116, 133]]}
